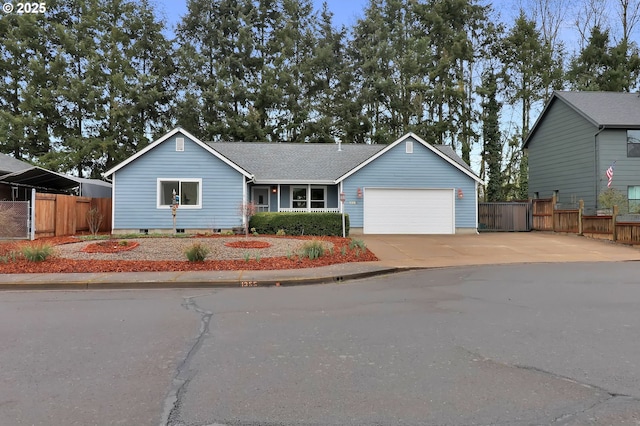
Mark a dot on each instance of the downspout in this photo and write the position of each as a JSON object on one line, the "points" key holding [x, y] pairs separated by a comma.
{"points": [[597, 162]]}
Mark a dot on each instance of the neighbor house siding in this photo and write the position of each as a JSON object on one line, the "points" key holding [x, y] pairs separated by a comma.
{"points": [[421, 169], [562, 156], [612, 144], [135, 199]]}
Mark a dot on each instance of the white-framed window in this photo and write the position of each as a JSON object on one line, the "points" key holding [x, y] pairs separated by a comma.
{"points": [[179, 144], [409, 147], [318, 197], [634, 199], [189, 191], [299, 197], [303, 197]]}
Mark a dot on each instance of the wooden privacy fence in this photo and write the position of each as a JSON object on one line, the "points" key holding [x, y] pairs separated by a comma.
{"points": [[623, 229], [542, 212], [59, 215], [512, 217]]}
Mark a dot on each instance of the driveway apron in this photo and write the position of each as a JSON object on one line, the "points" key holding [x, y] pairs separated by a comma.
{"points": [[420, 251]]}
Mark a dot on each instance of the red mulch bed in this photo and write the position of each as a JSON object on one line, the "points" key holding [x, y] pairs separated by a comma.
{"points": [[248, 244], [110, 246], [59, 265]]}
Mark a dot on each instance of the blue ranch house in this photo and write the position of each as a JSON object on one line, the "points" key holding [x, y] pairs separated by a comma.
{"points": [[406, 187]]}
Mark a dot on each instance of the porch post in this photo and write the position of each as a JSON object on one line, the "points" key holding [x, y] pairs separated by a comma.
{"points": [[278, 196], [32, 231], [308, 198]]}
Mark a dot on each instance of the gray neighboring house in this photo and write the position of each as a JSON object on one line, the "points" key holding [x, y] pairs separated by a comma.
{"points": [[406, 187], [574, 141]]}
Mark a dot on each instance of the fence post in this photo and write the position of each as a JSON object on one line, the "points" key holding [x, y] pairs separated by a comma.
{"points": [[580, 210], [614, 218], [553, 212]]}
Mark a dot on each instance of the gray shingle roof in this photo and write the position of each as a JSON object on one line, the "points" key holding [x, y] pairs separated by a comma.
{"points": [[9, 164], [613, 109], [282, 162]]}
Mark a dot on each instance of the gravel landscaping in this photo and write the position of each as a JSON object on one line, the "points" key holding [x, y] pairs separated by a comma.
{"points": [[160, 254], [174, 248]]}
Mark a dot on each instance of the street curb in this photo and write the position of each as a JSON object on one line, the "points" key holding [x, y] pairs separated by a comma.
{"points": [[141, 285]]}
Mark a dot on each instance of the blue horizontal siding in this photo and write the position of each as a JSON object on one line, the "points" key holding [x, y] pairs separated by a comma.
{"points": [[421, 169], [135, 189]]}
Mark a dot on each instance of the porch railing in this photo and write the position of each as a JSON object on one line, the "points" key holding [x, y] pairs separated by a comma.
{"points": [[304, 210]]}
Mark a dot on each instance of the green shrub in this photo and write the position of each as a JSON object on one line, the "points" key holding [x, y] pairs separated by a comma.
{"points": [[197, 253], [37, 252], [312, 249], [270, 223], [123, 243], [281, 233], [613, 197]]}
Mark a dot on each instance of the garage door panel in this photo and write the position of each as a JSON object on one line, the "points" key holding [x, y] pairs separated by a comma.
{"points": [[408, 211]]}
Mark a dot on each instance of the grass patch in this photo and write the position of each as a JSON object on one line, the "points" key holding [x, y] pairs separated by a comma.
{"points": [[37, 252], [312, 249], [197, 253], [357, 243], [12, 256]]}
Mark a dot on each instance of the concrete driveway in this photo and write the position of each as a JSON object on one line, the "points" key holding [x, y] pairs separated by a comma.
{"points": [[410, 251]]}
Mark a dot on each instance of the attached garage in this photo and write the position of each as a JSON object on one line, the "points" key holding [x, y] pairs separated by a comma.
{"points": [[409, 211]]}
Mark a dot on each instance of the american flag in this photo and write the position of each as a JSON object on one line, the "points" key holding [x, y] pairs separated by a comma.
{"points": [[609, 174]]}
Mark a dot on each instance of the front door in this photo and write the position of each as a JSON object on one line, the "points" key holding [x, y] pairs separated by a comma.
{"points": [[260, 197]]}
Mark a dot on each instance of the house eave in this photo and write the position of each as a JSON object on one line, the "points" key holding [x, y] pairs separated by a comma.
{"points": [[292, 182]]}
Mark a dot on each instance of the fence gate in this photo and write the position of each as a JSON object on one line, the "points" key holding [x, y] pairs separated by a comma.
{"points": [[14, 220], [506, 217]]}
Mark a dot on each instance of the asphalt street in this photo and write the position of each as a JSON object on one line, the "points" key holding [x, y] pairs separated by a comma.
{"points": [[490, 345]]}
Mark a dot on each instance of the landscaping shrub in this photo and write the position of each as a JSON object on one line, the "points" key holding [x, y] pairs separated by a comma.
{"points": [[37, 252], [357, 243], [329, 224], [312, 249], [197, 253]]}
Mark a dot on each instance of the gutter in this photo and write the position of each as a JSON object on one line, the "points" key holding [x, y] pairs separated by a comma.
{"points": [[596, 153]]}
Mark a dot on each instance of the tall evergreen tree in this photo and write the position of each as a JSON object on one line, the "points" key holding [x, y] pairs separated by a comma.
{"points": [[600, 66], [27, 76], [492, 153]]}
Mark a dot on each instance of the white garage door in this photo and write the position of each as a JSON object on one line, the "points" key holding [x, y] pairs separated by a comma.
{"points": [[408, 211]]}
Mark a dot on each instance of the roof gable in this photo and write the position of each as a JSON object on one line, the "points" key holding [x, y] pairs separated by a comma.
{"points": [[168, 136], [444, 152], [602, 109]]}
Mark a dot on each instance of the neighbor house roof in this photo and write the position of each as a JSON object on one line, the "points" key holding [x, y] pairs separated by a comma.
{"points": [[9, 164], [17, 172], [602, 109]]}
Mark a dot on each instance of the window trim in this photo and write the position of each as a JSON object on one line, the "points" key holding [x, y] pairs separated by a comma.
{"points": [[636, 145], [308, 200], [306, 196], [324, 197], [180, 181], [629, 200]]}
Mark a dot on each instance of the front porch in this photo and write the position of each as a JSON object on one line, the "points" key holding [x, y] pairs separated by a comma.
{"points": [[296, 198]]}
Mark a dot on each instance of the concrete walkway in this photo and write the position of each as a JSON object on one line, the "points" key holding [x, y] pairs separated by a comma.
{"points": [[396, 252]]}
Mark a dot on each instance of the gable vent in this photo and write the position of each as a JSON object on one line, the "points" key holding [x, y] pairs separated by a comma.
{"points": [[179, 144], [409, 147]]}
